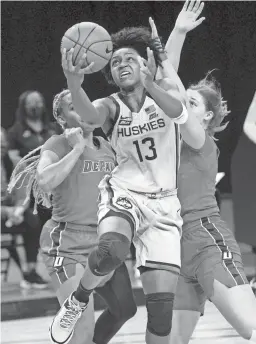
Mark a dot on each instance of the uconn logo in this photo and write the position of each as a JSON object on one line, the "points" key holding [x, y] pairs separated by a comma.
{"points": [[97, 166]]}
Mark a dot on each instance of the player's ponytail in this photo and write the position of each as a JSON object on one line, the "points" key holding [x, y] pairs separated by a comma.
{"points": [[210, 90], [24, 175]]}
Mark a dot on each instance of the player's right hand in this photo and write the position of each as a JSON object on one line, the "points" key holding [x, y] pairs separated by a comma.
{"points": [[187, 19], [73, 73], [75, 138]]}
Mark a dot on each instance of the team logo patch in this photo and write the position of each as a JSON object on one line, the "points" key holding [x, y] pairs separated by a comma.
{"points": [[227, 255], [153, 115], [124, 202], [125, 121], [58, 261]]}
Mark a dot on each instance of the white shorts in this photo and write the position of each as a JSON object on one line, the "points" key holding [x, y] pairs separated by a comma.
{"points": [[155, 219]]}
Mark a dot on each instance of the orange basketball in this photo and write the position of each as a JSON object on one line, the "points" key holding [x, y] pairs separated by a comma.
{"points": [[89, 38]]}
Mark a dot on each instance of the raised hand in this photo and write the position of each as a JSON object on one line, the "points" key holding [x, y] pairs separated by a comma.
{"points": [[75, 138], [156, 41], [154, 33], [74, 73], [147, 69], [187, 19]]}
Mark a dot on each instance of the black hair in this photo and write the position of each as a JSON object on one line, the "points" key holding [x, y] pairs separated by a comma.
{"points": [[137, 38]]}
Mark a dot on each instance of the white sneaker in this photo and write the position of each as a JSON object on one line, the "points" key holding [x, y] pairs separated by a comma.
{"points": [[63, 324]]}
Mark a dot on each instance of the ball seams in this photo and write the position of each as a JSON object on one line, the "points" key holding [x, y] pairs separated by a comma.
{"points": [[83, 41]]}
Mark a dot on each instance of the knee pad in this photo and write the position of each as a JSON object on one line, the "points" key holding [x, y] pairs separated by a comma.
{"points": [[110, 253], [159, 308]]}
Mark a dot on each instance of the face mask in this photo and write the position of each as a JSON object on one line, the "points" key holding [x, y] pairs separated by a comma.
{"points": [[35, 113]]}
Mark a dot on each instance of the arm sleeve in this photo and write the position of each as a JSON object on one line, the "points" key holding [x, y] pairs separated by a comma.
{"points": [[57, 144]]}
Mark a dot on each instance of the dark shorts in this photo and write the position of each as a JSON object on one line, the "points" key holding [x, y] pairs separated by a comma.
{"points": [[208, 251], [64, 245]]}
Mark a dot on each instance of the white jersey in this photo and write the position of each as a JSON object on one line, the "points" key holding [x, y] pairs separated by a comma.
{"points": [[147, 147]]}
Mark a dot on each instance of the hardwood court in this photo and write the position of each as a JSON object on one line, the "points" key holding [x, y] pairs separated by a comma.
{"points": [[212, 329]]}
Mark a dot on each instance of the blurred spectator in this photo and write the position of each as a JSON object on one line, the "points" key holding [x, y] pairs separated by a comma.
{"points": [[31, 127], [17, 218], [30, 130]]}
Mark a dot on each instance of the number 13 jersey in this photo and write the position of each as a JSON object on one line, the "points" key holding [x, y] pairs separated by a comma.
{"points": [[147, 147]]}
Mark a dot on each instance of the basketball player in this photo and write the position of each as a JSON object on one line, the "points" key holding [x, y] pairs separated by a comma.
{"points": [[138, 199], [70, 167], [211, 264]]}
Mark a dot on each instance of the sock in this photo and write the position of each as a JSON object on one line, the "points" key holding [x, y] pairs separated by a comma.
{"points": [[81, 294], [253, 337]]}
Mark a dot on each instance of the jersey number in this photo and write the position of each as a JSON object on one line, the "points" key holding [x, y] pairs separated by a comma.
{"points": [[151, 147]]}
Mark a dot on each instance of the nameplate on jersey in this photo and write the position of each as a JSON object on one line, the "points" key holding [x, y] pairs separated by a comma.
{"points": [[98, 166], [141, 129]]}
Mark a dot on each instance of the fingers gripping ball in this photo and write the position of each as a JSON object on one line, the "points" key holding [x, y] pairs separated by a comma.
{"points": [[89, 38]]}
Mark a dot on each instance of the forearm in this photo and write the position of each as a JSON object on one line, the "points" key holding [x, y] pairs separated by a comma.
{"points": [[168, 101], [82, 104], [167, 71], [53, 175], [174, 46]]}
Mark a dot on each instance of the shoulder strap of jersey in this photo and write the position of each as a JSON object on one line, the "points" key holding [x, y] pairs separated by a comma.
{"points": [[114, 99]]}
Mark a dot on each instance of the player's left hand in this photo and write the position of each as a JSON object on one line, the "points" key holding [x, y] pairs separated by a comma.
{"points": [[74, 73], [147, 69], [187, 19], [156, 41]]}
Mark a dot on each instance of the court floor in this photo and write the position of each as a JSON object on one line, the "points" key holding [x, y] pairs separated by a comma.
{"points": [[212, 328]]}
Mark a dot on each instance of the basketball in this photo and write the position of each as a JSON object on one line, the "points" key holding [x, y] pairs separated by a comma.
{"points": [[89, 38]]}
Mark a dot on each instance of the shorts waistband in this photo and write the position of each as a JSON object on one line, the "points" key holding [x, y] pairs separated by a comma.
{"points": [[202, 220], [156, 195], [76, 226]]}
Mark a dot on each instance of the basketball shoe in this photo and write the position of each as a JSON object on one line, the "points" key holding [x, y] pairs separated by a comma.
{"points": [[64, 322]]}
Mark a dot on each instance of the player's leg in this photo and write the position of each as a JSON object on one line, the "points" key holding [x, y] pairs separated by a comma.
{"points": [[84, 329], [66, 270], [115, 234], [159, 288], [183, 325], [158, 254], [118, 295], [117, 221], [111, 251], [222, 277], [238, 305], [188, 306]]}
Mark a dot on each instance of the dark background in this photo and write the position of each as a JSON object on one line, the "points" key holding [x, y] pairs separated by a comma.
{"points": [[32, 31]]}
